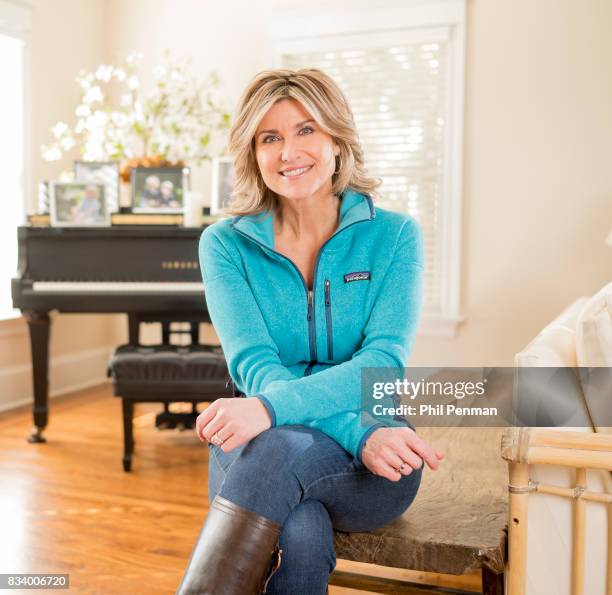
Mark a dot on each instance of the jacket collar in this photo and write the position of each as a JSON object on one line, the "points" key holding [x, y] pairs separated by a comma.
{"points": [[354, 207]]}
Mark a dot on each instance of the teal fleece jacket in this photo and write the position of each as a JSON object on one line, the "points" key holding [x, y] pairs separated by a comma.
{"points": [[301, 351]]}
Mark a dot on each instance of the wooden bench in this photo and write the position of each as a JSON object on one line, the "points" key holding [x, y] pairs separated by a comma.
{"points": [[457, 523]]}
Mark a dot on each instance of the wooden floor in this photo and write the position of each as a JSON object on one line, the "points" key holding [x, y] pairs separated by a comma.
{"points": [[67, 506]]}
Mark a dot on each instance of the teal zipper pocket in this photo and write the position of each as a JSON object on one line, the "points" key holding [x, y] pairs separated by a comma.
{"points": [[328, 320]]}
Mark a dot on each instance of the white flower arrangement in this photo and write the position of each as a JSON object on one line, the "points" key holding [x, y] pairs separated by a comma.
{"points": [[175, 121]]}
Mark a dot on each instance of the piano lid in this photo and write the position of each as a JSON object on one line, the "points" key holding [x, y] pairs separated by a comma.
{"points": [[151, 254]]}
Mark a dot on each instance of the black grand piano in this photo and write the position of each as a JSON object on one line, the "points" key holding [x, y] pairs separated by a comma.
{"points": [[141, 271]]}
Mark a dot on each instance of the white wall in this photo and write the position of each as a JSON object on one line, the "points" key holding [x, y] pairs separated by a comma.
{"points": [[538, 135], [538, 187]]}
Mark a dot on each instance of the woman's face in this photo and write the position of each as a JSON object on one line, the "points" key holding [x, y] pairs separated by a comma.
{"points": [[289, 140]]}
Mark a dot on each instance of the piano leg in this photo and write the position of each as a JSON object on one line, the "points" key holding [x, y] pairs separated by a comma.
{"points": [[38, 323]]}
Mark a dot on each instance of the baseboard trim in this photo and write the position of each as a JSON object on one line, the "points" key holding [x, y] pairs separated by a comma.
{"points": [[67, 373]]}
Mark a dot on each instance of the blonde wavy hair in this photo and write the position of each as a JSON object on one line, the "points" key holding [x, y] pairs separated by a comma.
{"points": [[319, 95]]}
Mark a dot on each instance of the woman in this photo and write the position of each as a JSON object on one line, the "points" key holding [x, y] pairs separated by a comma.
{"points": [[306, 285]]}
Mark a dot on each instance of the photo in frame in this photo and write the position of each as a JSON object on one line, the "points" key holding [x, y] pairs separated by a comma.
{"points": [[223, 180], [159, 189], [101, 172], [78, 204]]}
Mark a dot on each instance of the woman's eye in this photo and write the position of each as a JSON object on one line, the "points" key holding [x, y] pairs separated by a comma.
{"points": [[306, 130]]}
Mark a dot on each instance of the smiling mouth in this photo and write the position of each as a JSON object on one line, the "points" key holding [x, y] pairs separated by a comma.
{"points": [[296, 173]]}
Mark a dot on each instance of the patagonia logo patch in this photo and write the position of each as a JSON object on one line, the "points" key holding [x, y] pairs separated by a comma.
{"points": [[357, 276]]}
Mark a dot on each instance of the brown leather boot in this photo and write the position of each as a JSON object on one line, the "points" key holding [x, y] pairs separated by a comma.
{"points": [[236, 553]]}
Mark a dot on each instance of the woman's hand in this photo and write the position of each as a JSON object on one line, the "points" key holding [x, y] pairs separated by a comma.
{"points": [[236, 421], [388, 448]]}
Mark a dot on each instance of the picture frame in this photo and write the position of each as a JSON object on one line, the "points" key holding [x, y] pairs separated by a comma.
{"points": [[101, 172], [159, 189], [223, 179], [78, 204]]}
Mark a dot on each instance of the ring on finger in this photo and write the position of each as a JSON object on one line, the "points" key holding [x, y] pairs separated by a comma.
{"points": [[216, 439]]}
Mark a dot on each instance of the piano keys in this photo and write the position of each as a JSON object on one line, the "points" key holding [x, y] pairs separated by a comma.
{"points": [[120, 287]]}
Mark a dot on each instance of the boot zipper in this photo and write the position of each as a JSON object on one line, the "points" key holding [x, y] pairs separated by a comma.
{"points": [[328, 322]]}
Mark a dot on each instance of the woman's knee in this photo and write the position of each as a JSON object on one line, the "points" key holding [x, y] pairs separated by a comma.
{"points": [[283, 446], [382, 502], [273, 471]]}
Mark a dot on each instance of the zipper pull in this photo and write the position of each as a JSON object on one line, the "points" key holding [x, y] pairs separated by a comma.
{"points": [[327, 300], [309, 305]]}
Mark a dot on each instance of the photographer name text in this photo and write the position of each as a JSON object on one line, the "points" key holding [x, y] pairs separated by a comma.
{"points": [[435, 410]]}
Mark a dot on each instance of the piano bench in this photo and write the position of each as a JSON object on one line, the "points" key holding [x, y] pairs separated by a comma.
{"points": [[165, 374]]}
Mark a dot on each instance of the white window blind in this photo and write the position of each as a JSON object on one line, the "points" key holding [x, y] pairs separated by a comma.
{"points": [[14, 62], [397, 92]]}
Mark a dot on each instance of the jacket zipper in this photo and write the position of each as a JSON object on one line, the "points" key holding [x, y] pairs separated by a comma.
{"points": [[328, 322], [311, 328], [310, 294]]}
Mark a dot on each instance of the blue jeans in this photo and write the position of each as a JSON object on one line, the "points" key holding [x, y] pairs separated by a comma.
{"points": [[305, 481]]}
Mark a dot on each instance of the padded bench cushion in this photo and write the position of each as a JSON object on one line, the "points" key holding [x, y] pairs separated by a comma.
{"points": [[166, 368]]}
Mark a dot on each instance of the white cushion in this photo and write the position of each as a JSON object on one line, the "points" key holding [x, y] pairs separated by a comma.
{"points": [[594, 350], [594, 330], [555, 345]]}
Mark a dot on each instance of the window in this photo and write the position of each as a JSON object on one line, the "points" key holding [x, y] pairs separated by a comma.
{"points": [[14, 64], [402, 73]]}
